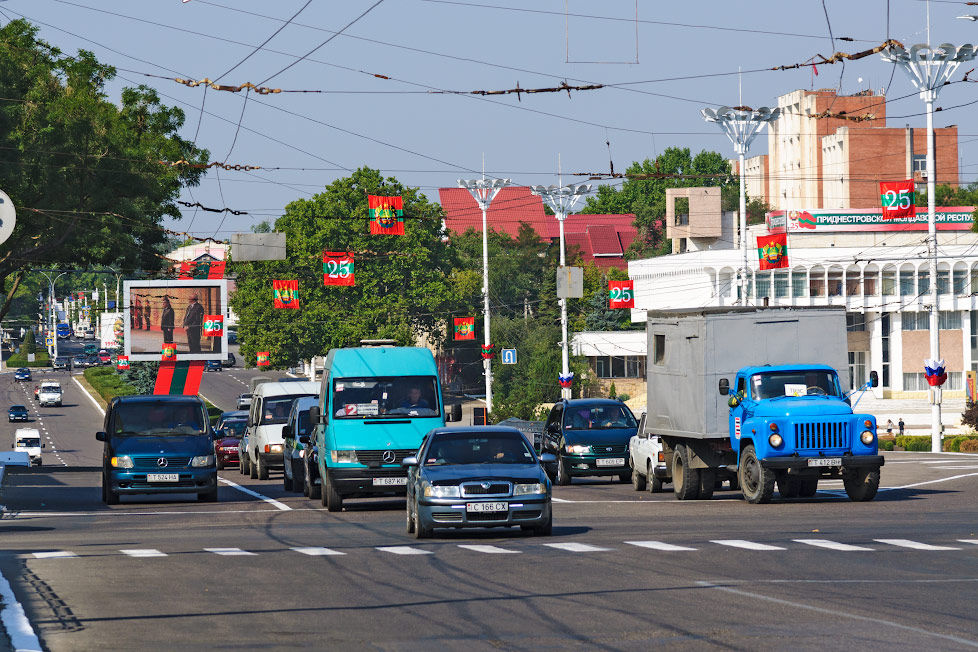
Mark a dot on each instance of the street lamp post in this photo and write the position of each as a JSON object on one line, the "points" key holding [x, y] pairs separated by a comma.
{"points": [[484, 191], [561, 200], [741, 125], [929, 68], [52, 319]]}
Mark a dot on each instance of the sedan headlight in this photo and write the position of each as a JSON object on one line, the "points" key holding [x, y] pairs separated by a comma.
{"points": [[577, 449], [532, 488], [121, 462], [441, 491], [867, 437], [344, 457], [202, 460]]}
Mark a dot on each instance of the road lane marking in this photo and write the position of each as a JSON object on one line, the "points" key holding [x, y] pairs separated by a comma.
{"points": [[576, 547], [921, 484], [143, 552], [90, 397], [19, 629], [491, 550], [832, 545], [403, 550], [658, 545], [914, 545], [230, 552], [271, 501], [745, 545], [54, 554], [317, 552], [974, 541]]}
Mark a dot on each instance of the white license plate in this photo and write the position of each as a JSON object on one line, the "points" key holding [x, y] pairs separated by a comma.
{"points": [[610, 461], [231, 448], [825, 461], [486, 507], [162, 477], [390, 482]]}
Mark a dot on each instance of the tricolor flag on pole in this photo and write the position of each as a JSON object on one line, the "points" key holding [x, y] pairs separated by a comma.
{"points": [[286, 294], [772, 251], [386, 215]]}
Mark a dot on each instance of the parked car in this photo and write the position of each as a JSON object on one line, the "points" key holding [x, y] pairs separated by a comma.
{"points": [[244, 401], [231, 360], [157, 445], [231, 415], [61, 363], [213, 365], [477, 477], [589, 437], [23, 375], [645, 457], [104, 357], [295, 443], [228, 443], [17, 413], [28, 440]]}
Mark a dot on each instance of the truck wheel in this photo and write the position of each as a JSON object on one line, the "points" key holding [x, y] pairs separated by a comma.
{"points": [[331, 499], [262, 465], [708, 482], [808, 486], [563, 477], [685, 481], [638, 480], [107, 495], [287, 482], [654, 483], [789, 485], [861, 484], [756, 482], [253, 466]]}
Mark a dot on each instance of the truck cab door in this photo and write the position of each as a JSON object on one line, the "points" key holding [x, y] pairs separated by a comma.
{"points": [[737, 415]]}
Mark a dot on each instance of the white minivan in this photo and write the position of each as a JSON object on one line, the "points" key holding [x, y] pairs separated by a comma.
{"points": [[28, 440], [262, 445]]}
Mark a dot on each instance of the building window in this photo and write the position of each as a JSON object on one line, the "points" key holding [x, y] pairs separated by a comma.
{"points": [[816, 282], [917, 382], [855, 322], [835, 283], [919, 163], [920, 321], [923, 282], [943, 281], [960, 278], [726, 284], [948, 320], [906, 283], [781, 285], [974, 334], [889, 281], [658, 349], [799, 284], [617, 366], [869, 282], [852, 283], [885, 328], [763, 280], [857, 369]]}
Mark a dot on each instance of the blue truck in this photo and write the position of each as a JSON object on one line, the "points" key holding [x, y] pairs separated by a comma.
{"points": [[754, 396]]}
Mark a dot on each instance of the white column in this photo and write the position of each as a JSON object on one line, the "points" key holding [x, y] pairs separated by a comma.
{"points": [[743, 228], [565, 392], [486, 362], [935, 343]]}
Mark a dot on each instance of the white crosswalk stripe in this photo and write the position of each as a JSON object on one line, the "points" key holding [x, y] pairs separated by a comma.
{"points": [[230, 552], [403, 550], [832, 545], [974, 541], [143, 552], [746, 545], [914, 545], [658, 545], [576, 547], [318, 552], [54, 554], [492, 550]]}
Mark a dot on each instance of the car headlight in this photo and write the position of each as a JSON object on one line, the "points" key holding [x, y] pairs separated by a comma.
{"points": [[121, 462], [202, 460], [577, 449], [867, 437], [532, 488], [344, 457], [441, 491], [775, 440]]}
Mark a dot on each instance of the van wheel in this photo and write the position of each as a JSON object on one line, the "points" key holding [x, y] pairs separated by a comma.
{"points": [[312, 490], [685, 481], [243, 462], [287, 482], [253, 466], [563, 477], [262, 465], [220, 464], [638, 480], [208, 497], [298, 476], [107, 496], [756, 482], [331, 499]]}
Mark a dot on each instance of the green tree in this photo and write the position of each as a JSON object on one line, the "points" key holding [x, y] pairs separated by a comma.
{"points": [[83, 172], [30, 342]]}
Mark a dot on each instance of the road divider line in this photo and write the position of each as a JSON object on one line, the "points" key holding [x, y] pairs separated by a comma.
{"points": [[745, 545], [53, 554], [230, 552], [832, 545], [90, 397], [143, 552], [921, 484], [576, 547], [658, 545], [317, 552], [913, 545], [271, 501], [974, 541], [19, 629], [403, 550], [489, 550]]}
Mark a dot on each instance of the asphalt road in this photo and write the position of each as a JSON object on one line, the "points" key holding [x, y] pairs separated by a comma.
{"points": [[623, 570]]}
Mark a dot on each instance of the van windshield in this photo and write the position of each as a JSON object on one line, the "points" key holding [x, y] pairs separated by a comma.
{"points": [[598, 417], [810, 382], [276, 408], [158, 419], [385, 397], [29, 443]]}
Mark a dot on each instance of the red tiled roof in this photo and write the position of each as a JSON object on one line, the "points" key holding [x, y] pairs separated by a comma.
{"points": [[604, 240], [513, 204]]}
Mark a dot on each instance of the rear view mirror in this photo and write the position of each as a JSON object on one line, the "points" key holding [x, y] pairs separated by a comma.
{"points": [[547, 458], [315, 415], [409, 461], [286, 431], [724, 387], [874, 379], [100, 436]]}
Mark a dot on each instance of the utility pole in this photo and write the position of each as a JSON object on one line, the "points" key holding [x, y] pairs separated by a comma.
{"points": [[929, 69], [741, 125], [561, 200], [484, 191]]}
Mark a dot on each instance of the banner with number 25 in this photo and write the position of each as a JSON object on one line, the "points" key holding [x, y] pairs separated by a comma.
{"points": [[338, 268], [621, 294], [898, 199]]}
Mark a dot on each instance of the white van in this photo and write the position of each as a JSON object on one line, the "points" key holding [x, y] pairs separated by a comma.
{"points": [[262, 445], [28, 440], [49, 394]]}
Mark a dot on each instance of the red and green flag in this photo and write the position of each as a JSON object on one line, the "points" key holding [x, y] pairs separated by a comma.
{"points": [[211, 269], [488, 351], [338, 268], [213, 325], [386, 215], [772, 251], [805, 219], [169, 352], [263, 358], [179, 378], [621, 294], [286, 294], [465, 328], [898, 199], [122, 362]]}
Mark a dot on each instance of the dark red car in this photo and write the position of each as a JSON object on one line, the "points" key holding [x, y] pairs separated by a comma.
{"points": [[104, 357], [226, 445]]}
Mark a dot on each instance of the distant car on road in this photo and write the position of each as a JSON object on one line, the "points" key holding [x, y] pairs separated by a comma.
{"points": [[50, 394], [91, 349], [295, 444], [213, 365], [244, 401], [231, 415], [231, 360], [17, 413], [590, 437], [228, 443], [92, 361], [104, 357], [23, 375], [646, 458], [80, 361], [477, 477], [61, 362], [232, 337]]}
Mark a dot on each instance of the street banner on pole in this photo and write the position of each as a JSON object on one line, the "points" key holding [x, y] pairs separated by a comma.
{"points": [[621, 294], [898, 199], [338, 268]]}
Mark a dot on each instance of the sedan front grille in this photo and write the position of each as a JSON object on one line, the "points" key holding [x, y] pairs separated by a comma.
{"points": [[483, 489], [146, 462], [820, 435], [377, 457]]}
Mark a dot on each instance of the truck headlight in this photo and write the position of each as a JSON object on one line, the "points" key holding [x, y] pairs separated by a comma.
{"points": [[202, 460], [867, 437], [441, 491], [121, 462], [530, 488], [577, 449], [775, 440], [344, 457]]}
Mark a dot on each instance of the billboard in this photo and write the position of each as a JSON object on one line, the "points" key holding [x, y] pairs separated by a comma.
{"points": [[948, 218], [110, 328], [171, 314]]}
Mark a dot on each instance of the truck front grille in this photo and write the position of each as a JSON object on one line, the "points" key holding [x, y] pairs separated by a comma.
{"points": [[821, 435]]}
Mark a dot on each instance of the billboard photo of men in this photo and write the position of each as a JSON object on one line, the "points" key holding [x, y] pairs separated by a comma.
{"points": [[173, 313], [193, 321]]}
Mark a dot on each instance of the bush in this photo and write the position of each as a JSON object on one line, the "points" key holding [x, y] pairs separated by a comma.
{"points": [[106, 381], [920, 443], [954, 444], [41, 359], [30, 343], [969, 446], [885, 443]]}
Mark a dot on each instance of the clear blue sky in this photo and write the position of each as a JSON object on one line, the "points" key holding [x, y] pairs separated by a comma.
{"points": [[430, 140]]}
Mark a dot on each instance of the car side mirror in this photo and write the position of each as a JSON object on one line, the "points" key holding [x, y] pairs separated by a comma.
{"points": [[874, 379], [286, 431], [44, 445], [547, 458], [455, 413], [409, 461], [733, 402], [315, 415], [100, 436], [724, 387], [303, 439]]}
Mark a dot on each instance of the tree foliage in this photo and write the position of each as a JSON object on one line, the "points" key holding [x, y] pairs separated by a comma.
{"points": [[83, 172]]}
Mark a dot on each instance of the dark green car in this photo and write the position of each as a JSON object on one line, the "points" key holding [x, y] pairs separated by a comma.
{"points": [[590, 438]]}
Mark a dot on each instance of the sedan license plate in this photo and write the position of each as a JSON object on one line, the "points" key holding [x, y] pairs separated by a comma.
{"points": [[610, 461], [162, 477], [486, 507], [390, 482], [231, 448], [825, 461]]}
